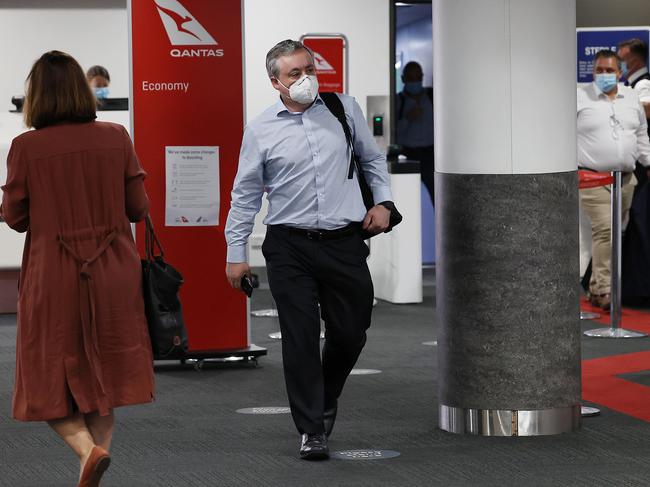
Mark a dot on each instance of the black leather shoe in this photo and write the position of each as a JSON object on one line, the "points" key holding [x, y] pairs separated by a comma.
{"points": [[329, 417], [314, 447]]}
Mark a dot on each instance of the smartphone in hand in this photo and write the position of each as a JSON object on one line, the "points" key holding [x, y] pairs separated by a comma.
{"points": [[246, 285]]}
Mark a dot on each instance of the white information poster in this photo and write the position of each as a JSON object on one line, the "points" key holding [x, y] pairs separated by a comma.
{"points": [[192, 196]]}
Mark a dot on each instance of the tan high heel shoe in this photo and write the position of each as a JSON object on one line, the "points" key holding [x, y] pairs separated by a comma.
{"points": [[97, 463]]}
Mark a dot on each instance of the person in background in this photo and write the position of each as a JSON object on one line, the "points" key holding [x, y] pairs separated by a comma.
{"points": [[634, 53], [414, 111], [636, 246], [612, 135], [99, 80], [314, 249], [74, 185]]}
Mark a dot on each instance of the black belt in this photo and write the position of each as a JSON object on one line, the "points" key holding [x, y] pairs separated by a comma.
{"points": [[318, 234]]}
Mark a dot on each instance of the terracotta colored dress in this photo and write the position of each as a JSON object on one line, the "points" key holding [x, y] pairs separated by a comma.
{"points": [[82, 334]]}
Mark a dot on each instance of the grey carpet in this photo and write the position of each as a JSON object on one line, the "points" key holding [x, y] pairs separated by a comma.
{"points": [[192, 436]]}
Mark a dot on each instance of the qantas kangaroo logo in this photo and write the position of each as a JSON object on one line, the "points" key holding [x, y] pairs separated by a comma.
{"points": [[322, 64], [181, 26]]}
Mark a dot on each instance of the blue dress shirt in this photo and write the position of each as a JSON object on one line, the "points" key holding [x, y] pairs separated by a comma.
{"points": [[301, 160]]}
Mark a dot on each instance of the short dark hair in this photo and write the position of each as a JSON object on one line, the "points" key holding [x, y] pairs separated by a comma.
{"points": [[283, 48], [97, 71], [410, 66], [637, 47], [57, 92], [608, 53]]}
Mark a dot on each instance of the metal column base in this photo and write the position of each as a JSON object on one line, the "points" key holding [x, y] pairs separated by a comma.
{"points": [[614, 333], [500, 422]]}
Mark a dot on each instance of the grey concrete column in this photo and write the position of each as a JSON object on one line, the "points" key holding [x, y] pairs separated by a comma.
{"points": [[507, 216]]}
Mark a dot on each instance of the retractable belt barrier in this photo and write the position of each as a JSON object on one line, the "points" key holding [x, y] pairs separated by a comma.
{"points": [[590, 179]]}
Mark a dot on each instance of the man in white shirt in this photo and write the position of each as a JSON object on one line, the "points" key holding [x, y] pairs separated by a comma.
{"points": [[612, 136], [634, 54]]}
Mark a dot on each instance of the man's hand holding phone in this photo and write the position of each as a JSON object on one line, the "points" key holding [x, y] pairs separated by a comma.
{"points": [[239, 276]]}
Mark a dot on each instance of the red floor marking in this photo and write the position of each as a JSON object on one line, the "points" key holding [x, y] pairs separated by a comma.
{"points": [[600, 383]]}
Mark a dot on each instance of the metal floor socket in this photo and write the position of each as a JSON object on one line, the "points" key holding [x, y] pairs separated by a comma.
{"points": [[265, 410], [365, 372], [589, 315], [365, 454], [589, 412], [278, 335], [265, 313]]}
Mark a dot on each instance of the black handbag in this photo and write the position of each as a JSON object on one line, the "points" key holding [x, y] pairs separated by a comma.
{"points": [[161, 283], [334, 105]]}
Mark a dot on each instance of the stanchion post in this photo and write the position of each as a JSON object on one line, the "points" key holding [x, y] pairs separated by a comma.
{"points": [[615, 330]]}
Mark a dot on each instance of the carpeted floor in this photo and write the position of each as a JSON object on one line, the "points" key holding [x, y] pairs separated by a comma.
{"points": [[192, 435]]}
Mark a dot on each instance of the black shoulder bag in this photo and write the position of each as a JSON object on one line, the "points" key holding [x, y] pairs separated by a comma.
{"points": [[161, 283], [334, 105]]}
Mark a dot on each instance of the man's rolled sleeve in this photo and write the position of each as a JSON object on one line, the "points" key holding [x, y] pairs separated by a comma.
{"points": [[372, 160], [246, 199], [643, 89]]}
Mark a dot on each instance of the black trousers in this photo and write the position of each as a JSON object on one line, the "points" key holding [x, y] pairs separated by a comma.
{"points": [[303, 273], [427, 165]]}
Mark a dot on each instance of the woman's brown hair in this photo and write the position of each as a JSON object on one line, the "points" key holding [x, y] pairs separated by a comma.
{"points": [[58, 92]]}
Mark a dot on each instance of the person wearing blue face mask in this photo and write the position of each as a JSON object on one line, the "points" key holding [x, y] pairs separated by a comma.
{"points": [[612, 136], [634, 53], [414, 110], [99, 80]]}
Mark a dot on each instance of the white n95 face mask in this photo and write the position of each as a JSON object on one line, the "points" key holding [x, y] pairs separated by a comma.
{"points": [[305, 90]]}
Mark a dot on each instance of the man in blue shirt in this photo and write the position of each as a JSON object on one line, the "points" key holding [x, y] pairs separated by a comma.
{"points": [[414, 109], [296, 151]]}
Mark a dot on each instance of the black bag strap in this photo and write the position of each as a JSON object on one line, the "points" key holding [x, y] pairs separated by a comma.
{"points": [[334, 105], [151, 240]]}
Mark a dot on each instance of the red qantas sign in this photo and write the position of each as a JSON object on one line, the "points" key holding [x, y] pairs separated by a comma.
{"points": [[188, 91], [329, 54]]}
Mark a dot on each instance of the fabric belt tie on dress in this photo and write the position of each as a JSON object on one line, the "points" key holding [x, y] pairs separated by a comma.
{"points": [[87, 307]]}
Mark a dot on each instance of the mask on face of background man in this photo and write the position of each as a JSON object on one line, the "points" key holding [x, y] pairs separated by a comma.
{"points": [[413, 87], [624, 69]]}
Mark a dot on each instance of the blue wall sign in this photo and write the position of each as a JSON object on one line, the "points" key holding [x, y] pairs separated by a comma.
{"points": [[592, 41]]}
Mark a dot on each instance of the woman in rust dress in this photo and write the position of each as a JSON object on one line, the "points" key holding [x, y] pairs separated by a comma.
{"points": [[73, 185]]}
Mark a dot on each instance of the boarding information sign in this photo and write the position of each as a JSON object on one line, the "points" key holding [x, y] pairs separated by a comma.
{"points": [[192, 177], [592, 40]]}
